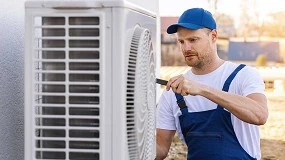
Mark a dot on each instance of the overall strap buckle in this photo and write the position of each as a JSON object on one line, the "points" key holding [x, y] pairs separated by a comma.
{"points": [[181, 103]]}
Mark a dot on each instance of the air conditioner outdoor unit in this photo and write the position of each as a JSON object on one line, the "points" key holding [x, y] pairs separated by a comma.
{"points": [[89, 81]]}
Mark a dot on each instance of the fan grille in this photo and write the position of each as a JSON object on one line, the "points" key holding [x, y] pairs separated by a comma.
{"points": [[141, 96], [66, 101]]}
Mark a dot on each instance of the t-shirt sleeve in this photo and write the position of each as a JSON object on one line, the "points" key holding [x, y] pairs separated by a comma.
{"points": [[164, 113], [252, 82]]}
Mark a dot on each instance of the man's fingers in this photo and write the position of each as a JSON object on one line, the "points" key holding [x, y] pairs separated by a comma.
{"points": [[184, 94], [179, 87], [175, 84], [171, 81]]}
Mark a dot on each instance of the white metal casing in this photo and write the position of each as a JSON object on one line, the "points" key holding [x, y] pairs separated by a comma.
{"points": [[117, 21], [129, 19]]}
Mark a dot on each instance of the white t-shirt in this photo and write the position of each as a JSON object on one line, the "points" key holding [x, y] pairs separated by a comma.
{"points": [[247, 81]]}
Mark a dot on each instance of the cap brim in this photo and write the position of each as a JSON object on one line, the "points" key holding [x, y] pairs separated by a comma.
{"points": [[173, 28]]}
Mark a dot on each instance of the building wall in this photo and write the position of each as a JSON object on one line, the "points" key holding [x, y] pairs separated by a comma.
{"points": [[11, 80], [171, 54]]}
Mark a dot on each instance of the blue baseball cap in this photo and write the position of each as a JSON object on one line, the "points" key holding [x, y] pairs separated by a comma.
{"points": [[194, 18]]}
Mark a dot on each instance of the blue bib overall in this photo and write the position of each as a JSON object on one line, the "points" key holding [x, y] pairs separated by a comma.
{"points": [[209, 135]]}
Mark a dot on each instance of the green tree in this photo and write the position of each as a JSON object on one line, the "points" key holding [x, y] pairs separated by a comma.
{"points": [[261, 60]]}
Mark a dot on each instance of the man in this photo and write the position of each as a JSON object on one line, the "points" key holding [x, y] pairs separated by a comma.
{"points": [[217, 105]]}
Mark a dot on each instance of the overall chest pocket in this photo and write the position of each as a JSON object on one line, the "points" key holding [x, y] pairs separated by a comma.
{"points": [[204, 145]]}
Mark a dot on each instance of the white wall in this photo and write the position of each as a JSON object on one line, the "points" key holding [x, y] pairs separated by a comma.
{"points": [[11, 79]]}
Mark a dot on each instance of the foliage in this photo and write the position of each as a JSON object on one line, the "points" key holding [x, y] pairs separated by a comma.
{"points": [[261, 60]]}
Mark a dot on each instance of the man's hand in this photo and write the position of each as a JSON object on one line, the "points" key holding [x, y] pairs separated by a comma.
{"points": [[181, 85]]}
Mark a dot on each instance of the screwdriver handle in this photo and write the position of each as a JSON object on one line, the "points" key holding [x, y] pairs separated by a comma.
{"points": [[161, 81]]}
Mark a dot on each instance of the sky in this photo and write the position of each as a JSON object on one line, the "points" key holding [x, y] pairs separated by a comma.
{"points": [[232, 7]]}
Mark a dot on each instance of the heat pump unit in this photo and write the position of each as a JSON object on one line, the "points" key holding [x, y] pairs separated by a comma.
{"points": [[90, 90]]}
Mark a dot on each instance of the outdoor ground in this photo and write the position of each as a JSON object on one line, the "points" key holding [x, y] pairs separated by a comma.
{"points": [[272, 134]]}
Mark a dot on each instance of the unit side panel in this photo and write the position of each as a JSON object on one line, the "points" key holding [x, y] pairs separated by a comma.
{"points": [[125, 22]]}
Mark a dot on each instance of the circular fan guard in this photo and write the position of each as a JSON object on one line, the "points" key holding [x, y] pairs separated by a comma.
{"points": [[141, 96]]}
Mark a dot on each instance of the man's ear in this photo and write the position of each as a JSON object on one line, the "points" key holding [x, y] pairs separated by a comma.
{"points": [[214, 35]]}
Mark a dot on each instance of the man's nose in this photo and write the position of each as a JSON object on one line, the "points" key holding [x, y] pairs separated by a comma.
{"points": [[187, 46]]}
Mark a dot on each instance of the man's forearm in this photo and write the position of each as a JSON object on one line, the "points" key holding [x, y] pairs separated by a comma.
{"points": [[163, 142], [160, 153], [249, 109]]}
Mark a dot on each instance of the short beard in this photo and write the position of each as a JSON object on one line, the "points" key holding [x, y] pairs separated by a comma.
{"points": [[202, 61]]}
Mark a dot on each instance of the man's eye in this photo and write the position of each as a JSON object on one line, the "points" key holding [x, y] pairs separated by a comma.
{"points": [[193, 40]]}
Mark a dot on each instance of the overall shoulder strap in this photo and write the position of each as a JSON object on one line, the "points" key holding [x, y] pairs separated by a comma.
{"points": [[230, 79], [181, 103]]}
